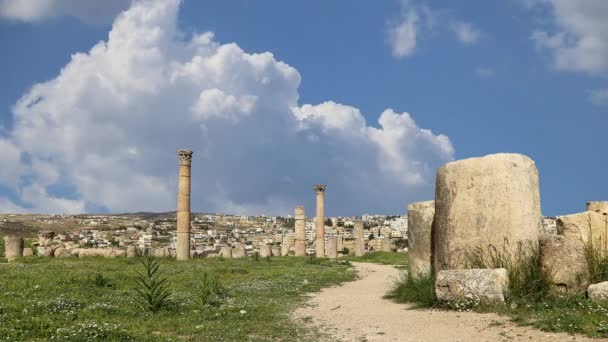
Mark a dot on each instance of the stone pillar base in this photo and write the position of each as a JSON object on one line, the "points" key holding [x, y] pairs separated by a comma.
{"points": [[300, 248]]}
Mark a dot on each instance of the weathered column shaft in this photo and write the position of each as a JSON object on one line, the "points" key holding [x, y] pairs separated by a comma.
{"points": [[13, 247], [183, 206], [359, 239], [332, 247], [300, 227], [320, 222]]}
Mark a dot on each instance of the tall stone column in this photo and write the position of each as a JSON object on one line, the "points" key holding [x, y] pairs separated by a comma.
{"points": [[320, 190], [300, 227], [359, 239], [183, 205]]}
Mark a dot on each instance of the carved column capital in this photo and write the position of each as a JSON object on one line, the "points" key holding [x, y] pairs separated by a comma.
{"points": [[185, 157], [320, 188]]}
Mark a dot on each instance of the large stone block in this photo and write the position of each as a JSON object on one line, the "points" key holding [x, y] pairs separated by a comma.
{"points": [[265, 251], [484, 285], [600, 207], [238, 252], [420, 224], [28, 252], [226, 252], [488, 202], [387, 245], [45, 238], [563, 256], [598, 291], [275, 250], [13, 247]]}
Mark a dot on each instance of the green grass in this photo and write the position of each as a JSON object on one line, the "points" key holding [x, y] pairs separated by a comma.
{"points": [[63, 299], [384, 258]]}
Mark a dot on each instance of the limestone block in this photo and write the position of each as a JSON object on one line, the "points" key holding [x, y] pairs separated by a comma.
{"points": [[238, 252], [332, 247], [484, 285], [45, 251], [598, 291], [131, 252], [420, 224], [45, 238], [226, 252], [61, 252], [276, 250], [28, 252], [13, 247], [562, 256], [487, 202], [265, 251], [598, 206], [118, 253]]}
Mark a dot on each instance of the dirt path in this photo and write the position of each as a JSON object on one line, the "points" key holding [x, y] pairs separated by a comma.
{"points": [[356, 311]]}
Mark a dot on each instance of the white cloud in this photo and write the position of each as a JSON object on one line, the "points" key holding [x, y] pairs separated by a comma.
{"points": [[466, 32], [484, 72], [578, 37], [402, 35], [108, 127], [89, 11], [418, 21], [599, 97]]}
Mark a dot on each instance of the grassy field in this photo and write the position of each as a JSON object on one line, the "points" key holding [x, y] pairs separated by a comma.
{"points": [[384, 258], [83, 299]]}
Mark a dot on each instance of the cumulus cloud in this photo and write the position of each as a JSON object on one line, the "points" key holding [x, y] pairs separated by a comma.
{"points": [[599, 97], [418, 21], [466, 32], [577, 38], [109, 125], [94, 12]]}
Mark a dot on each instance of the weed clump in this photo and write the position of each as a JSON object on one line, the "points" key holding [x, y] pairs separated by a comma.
{"points": [[151, 287], [210, 291], [527, 280], [420, 291]]}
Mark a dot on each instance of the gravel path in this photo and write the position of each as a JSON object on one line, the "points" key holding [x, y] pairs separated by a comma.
{"points": [[356, 311]]}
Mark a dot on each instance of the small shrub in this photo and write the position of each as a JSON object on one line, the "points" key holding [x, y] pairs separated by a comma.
{"points": [[256, 256], [527, 280], [268, 258], [151, 288], [421, 291], [101, 281], [210, 291], [597, 261], [312, 260]]}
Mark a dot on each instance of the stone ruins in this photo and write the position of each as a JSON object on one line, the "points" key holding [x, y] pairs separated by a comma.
{"points": [[492, 205], [183, 205]]}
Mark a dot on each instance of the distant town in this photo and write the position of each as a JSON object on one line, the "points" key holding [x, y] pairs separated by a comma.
{"points": [[156, 233]]}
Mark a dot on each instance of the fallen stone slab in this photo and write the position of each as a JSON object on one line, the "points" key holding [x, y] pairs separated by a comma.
{"points": [[483, 285], [598, 291]]}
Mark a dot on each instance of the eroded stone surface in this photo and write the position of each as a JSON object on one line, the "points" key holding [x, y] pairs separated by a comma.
{"points": [[485, 202], [563, 256], [420, 224], [13, 247], [598, 291], [484, 285]]}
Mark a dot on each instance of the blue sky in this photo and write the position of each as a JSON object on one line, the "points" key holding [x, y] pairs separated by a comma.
{"points": [[521, 81]]}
